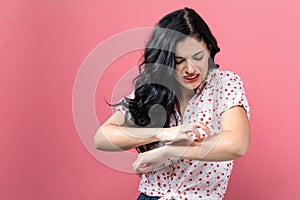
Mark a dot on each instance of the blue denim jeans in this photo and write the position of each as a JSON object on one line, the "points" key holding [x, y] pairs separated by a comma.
{"points": [[142, 196]]}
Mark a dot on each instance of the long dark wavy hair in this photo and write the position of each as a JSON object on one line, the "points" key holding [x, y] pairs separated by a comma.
{"points": [[157, 92]]}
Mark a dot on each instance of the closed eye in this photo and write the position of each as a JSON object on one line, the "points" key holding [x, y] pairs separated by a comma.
{"points": [[198, 58], [179, 61]]}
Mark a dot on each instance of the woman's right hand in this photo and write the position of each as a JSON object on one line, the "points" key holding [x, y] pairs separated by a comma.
{"points": [[182, 133]]}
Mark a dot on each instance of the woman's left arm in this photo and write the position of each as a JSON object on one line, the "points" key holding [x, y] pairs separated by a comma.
{"points": [[232, 143]]}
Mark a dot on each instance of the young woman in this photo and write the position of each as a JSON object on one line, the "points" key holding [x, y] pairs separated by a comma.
{"points": [[187, 119]]}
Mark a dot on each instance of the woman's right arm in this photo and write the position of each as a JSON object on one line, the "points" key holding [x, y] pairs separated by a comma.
{"points": [[112, 136]]}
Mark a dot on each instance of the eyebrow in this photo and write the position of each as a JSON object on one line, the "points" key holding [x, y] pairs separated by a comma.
{"points": [[199, 52]]}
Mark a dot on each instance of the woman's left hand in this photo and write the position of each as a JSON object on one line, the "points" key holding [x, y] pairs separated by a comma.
{"points": [[150, 160]]}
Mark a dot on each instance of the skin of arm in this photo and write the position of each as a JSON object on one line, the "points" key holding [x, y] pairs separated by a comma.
{"points": [[112, 136], [232, 143]]}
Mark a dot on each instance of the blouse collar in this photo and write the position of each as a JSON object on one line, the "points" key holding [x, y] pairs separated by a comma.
{"points": [[210, 79]]}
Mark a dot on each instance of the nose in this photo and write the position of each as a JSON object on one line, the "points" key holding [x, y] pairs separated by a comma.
{"points": [[190, 68]]}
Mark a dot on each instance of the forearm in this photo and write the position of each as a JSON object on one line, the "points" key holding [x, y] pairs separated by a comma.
{"points": [[118, 138], [221, 147], [233, 142], [113, 136]]}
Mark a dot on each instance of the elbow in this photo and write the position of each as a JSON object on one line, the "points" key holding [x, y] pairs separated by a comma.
{"points": [[98, 145], [103, 142], [241, 149], [100, 141]]}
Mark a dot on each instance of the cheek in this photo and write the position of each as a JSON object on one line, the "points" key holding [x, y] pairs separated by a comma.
{"points": [[178, 71], [204, 64], [203, 67], [177, 75]]}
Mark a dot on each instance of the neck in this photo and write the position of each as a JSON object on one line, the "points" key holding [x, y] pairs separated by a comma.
{"points": [[187, 94]]}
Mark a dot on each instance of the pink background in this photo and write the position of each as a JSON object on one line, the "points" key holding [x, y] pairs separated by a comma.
{"points": [[42, 46]]}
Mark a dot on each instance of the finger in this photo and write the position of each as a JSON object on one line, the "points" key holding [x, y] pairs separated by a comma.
{"points": [[197, 135], [136, 165], [144, 168], [135, 168], [138, 169], [188, 127], [193, 133], [144, 160], [184, 137], [206, 129]]}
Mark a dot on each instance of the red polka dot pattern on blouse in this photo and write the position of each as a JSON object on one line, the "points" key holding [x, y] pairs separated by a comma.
{"points": [[192, 179]]}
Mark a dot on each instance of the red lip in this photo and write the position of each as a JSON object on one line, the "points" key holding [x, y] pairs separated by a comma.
{"points": [[192, 78]]}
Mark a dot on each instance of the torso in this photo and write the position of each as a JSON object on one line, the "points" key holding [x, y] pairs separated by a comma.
{"points": [[193, 179]]}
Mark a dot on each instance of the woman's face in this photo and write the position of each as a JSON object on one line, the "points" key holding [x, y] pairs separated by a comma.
{"points": [[191, 58]]}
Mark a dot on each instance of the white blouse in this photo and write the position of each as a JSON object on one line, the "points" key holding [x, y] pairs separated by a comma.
{"points": [[192, 179]]}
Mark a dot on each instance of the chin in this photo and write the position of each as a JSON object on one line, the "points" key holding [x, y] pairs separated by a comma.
{"points": [[192, 86]]}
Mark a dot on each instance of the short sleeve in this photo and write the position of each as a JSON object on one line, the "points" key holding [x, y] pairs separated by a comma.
{"points": [[231, 93], [125, 110]]}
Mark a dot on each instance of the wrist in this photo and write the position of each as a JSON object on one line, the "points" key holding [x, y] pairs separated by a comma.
{"points": [[161, 134], [165, 150], [155, 135]]}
